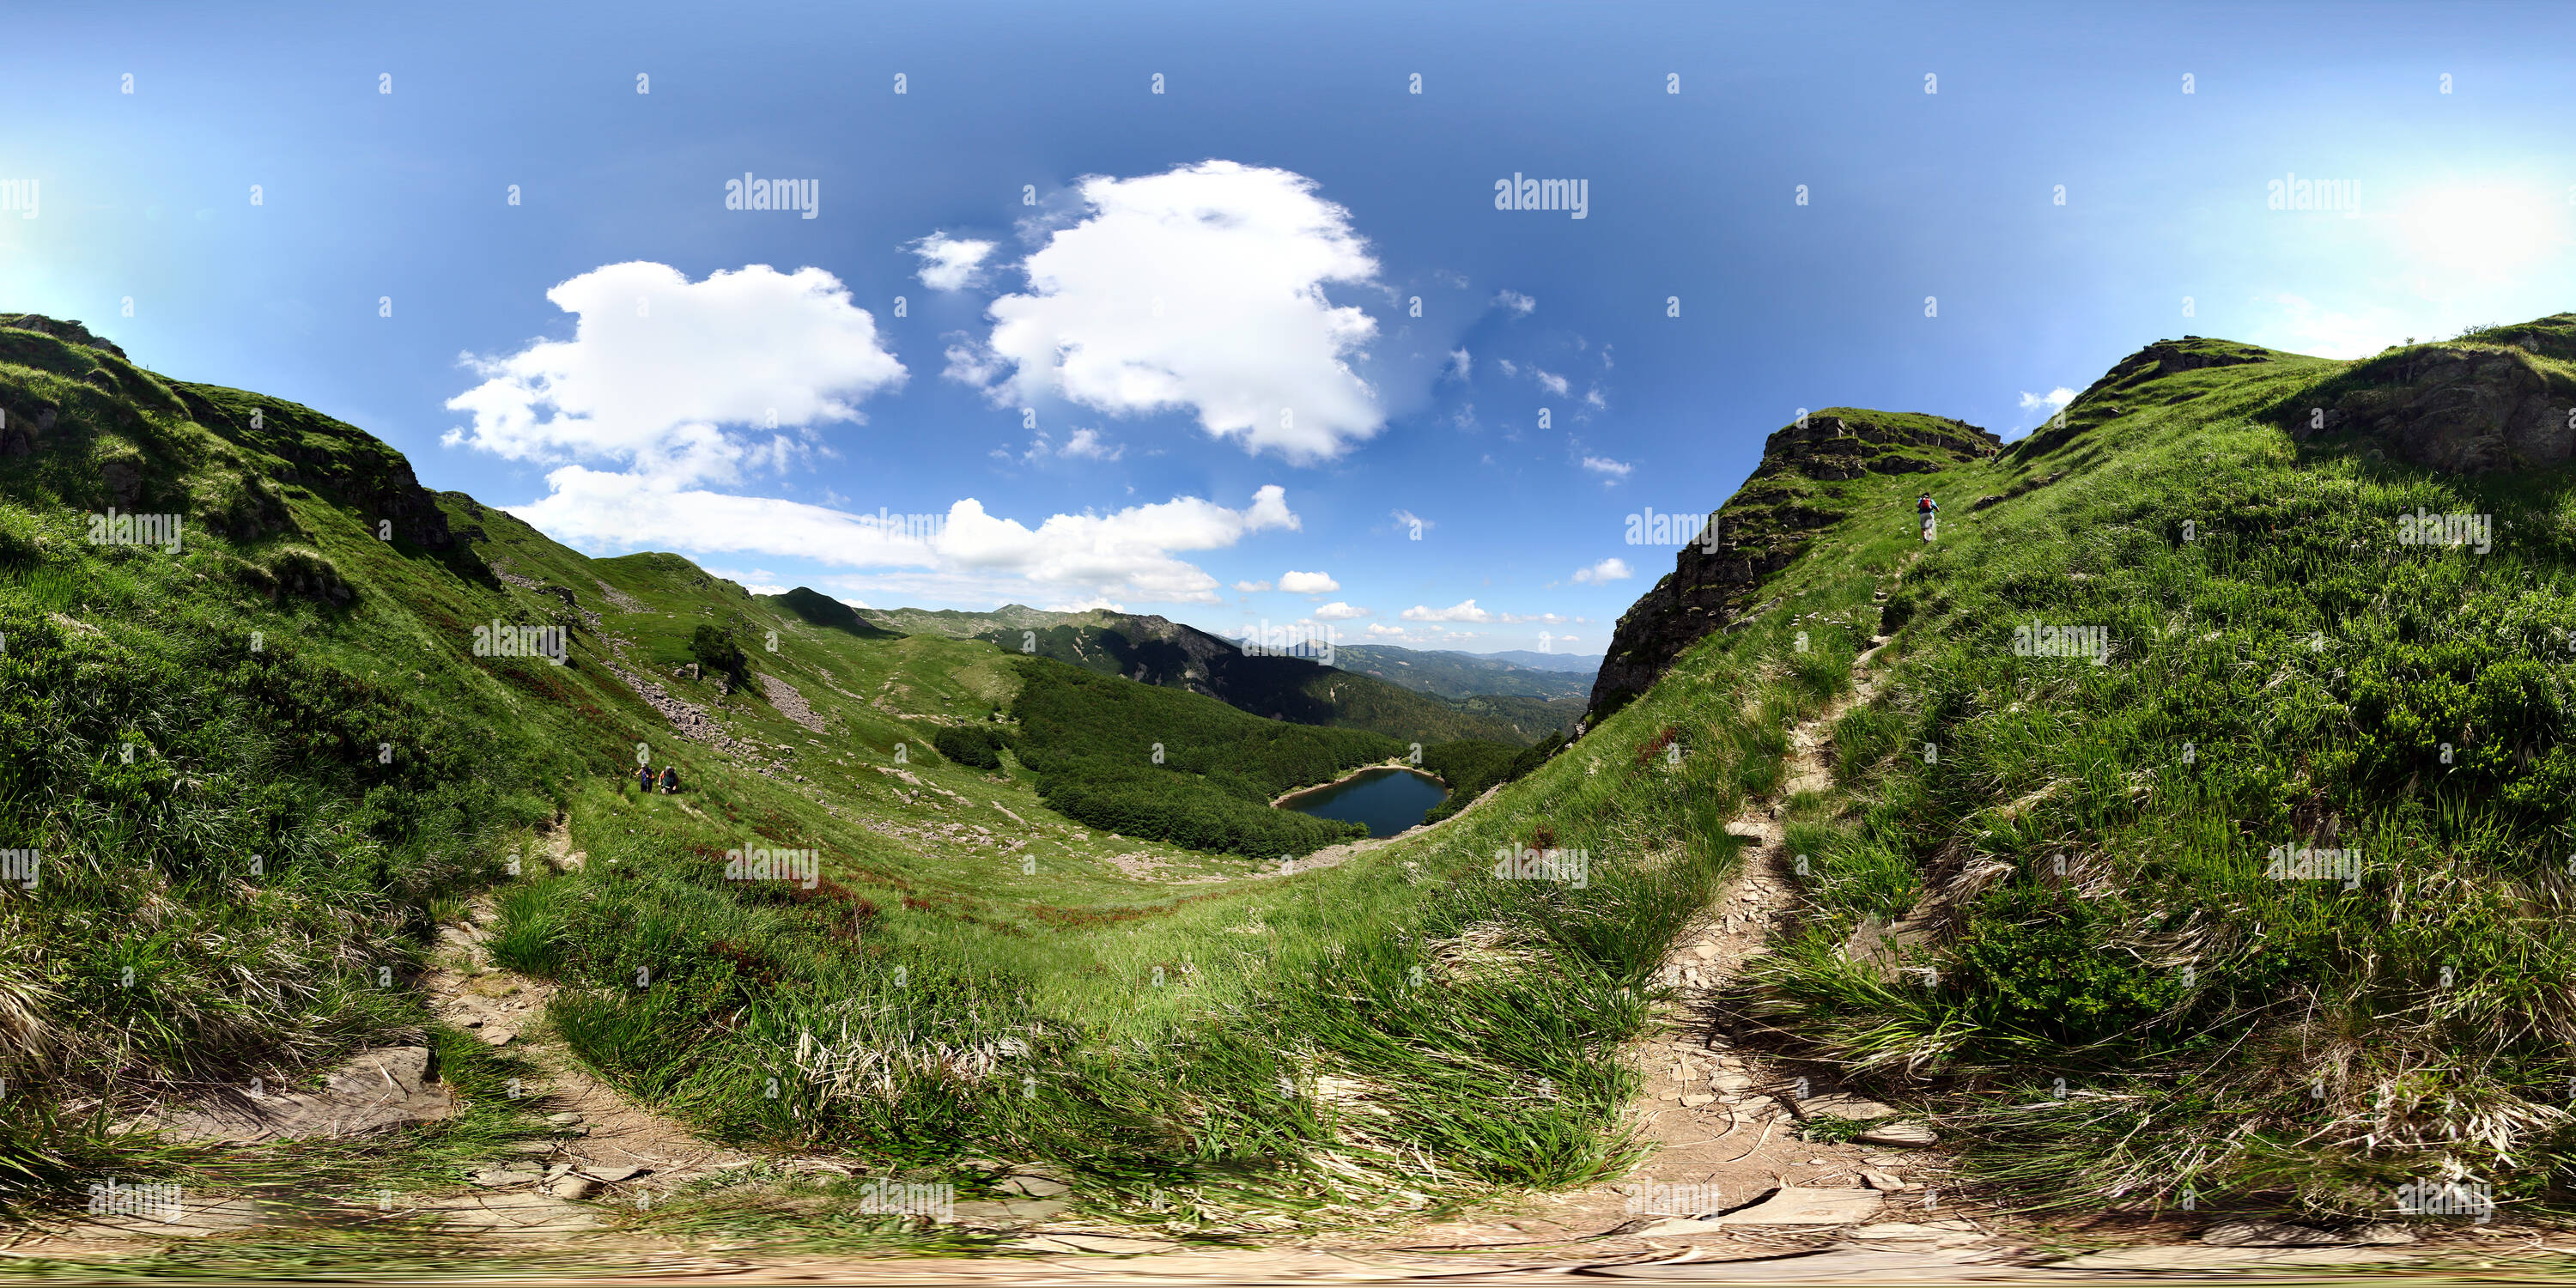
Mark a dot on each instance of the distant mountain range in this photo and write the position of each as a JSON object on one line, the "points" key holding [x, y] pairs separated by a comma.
{"points": [[1400, 692], [1462, 675], [1545, 661]]}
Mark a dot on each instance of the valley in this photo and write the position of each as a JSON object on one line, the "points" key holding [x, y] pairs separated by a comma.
{"points": [[1892, 897]]}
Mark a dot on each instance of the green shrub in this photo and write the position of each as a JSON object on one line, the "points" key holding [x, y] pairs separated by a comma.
{"points": [[717, 654]]}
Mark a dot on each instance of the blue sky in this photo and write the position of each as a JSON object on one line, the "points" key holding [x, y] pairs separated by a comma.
{"points": [[1156, 349]]}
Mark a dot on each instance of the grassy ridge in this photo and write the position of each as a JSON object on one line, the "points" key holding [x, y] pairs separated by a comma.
{"points": [[2121, 995]]}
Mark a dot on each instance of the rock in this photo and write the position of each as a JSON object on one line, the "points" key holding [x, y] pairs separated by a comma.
{"points": [[1730, 1081], [563, 1120], [1792, 1206], [525, 1212], [2201, 1256], [1886, 1181], [472, 1022], [1839, 1105], [377, 1090], [1901, 1135], [533, 1147], [990, 1212], [1762, 530], [1035, 1186], [573, 1187], [2469, 411], [1705, 952], [1694, 1101], [71, 332], [611, 1175]]}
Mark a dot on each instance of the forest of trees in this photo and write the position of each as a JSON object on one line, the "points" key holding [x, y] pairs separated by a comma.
{"points": [[1169, 765]]}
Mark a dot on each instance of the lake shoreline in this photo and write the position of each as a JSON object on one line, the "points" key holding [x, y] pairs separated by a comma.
{"points": [[1281, 802]]}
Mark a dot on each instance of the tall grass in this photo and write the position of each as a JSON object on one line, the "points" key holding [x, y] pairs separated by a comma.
{"points": [[2118, 1004]]}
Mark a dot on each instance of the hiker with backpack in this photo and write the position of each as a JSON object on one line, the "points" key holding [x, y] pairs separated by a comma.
{"points": [[670, 779], [1930, 510]]}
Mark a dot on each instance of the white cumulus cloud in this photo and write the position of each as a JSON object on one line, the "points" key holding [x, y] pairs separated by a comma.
{"points": [[1604, 465], [2046, 404], [1129, 553], [1252, 587], [1608, 570], [1308, 583], [1461, 612], [1516, 302], [680, 380], [1086, 443], [951, 263], [1200, 288], [1338, 611]]}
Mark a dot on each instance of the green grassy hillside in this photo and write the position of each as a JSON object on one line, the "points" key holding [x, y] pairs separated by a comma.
{"points": [[265, 764], [2165, 667], [2091, 904]]}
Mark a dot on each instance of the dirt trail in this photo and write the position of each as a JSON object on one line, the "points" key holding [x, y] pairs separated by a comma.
{"points": [[628, 1152], [1717, 1121]]}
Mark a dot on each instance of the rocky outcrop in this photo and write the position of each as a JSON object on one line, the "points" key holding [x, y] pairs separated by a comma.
{"points": [[338, 461], [2105, 399], [1764, 527], [2468, 409], [67, 332], [25, 420]]}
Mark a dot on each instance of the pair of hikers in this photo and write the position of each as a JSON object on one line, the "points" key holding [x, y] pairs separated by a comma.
{"points": [[1930, 510], [644, 779]]}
